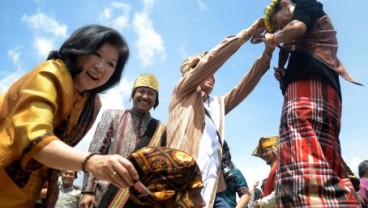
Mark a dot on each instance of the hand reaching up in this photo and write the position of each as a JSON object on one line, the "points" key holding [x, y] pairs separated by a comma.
{"points": [[257, 27]]}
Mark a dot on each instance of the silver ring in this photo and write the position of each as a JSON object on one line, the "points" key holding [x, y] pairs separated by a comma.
{"points": [[113, 174]]}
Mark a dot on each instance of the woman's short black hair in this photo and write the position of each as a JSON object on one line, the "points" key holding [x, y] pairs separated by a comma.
{"points": [[87, 40]]}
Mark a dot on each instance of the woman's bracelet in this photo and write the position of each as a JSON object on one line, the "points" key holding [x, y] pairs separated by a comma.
{"points": [[85, 160]]}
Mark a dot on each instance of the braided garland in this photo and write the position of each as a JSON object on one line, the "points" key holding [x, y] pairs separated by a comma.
{"points": [[269, 12]]}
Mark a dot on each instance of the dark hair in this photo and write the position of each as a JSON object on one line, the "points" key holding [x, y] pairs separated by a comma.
{"points": [[355, 181], [363, 168], [277, 7], [257, 193], [87, 40], [226, 151], [75, 173], [263, 184], [156, 101]]}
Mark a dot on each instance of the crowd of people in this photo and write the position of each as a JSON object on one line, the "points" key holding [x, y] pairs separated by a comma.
{"points": [[135, 160]]}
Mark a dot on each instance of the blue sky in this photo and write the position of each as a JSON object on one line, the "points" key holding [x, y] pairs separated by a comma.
{"points": [[161, 33]]}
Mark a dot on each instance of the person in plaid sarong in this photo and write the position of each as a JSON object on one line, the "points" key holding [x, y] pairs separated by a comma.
{"points": [[309, 173]]}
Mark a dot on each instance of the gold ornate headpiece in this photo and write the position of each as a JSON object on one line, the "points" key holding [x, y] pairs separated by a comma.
{"points": [[269, 12], [146, 80], [264, 142]]}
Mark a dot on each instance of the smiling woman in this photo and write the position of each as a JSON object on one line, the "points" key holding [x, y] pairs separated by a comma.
{"points": [[51, 108], [96, 68]]}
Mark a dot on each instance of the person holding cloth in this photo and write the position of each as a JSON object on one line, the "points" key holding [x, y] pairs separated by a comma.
{"points": [[309, 173], [50, 109], [121, 131]]}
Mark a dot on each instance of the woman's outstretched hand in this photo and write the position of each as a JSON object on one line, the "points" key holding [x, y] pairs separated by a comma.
{"points": [[114, 169]]}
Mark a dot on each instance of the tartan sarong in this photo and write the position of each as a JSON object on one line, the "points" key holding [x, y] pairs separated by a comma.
{"points": [[310, 172]]}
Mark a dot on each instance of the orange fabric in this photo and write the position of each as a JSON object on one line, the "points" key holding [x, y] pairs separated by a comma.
{"points": [[270, 183], [29, 111], [31, 108]]}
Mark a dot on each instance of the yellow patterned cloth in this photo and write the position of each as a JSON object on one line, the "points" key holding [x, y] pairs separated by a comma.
{"points": [[29, 113], [263, 143], [167, 173]]}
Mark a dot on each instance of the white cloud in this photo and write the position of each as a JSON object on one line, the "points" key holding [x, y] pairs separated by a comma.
{"points": [[149, 44], [43, 46], [116, 15], [14, 54], [148, 4], [15, 57], [354, 161], [252, 173], [41, 23], [47, 31], [115, 97], [8, 80]]}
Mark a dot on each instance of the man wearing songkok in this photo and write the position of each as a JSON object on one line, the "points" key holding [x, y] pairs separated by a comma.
{"points": [[121, 131], [309, 173], [171, 179], [196, 120], [267, 150]]}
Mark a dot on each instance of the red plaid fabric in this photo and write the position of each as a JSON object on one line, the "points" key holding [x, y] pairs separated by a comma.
{"points": [[310, 172]]}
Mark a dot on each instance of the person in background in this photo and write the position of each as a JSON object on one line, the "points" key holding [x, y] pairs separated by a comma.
{"points": [[363, 178], [235, 183], [267, 150], [121, 132], [309, 171], [255, 194], [196, 120], [50, 109], [70, 194]]}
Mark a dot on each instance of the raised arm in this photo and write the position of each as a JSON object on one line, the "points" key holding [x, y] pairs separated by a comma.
{"points": [[216, 57], [249, 81]]}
